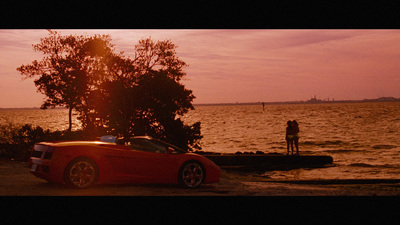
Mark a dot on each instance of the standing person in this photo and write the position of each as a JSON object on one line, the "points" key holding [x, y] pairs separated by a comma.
{"points": [[296, 135], [289, 136]]}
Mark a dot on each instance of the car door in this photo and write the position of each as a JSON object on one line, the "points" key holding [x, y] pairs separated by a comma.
{"points": [[156, 167], [144, 162]]}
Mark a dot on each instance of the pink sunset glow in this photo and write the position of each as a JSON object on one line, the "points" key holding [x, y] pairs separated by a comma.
{"points": [[227, 66]]}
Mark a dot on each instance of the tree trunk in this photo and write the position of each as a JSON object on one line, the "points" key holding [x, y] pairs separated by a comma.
{"points": [[70, 119]]}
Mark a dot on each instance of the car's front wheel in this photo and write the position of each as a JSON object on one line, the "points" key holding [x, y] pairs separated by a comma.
{"points": [[191, 175], [80, 173]]}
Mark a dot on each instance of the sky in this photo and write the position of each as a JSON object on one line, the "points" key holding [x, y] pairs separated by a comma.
{"points": [[229, 66]]}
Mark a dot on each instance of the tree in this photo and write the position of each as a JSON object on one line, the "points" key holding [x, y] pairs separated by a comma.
{"points": [[113, 93], [162, 101], [72, 67], [145, 97]]}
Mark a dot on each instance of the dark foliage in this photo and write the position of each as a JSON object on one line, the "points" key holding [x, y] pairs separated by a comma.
{"points": [[70, 69], [17, 141], [115, 94]]}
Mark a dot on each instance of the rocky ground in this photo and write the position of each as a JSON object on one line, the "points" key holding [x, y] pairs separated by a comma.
{"points": [[16, 180]]}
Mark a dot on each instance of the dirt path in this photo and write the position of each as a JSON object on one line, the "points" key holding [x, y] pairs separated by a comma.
{"points": [[16, 180]]}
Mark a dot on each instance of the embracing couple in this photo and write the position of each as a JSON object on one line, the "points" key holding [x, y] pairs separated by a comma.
{"points": [[292, 135]]}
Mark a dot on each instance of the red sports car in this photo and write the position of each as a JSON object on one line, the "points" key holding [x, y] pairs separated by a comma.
{"points": [[141, 160]]}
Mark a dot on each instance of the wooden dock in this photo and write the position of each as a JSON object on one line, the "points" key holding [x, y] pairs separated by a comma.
{"points": [[268, 161]]}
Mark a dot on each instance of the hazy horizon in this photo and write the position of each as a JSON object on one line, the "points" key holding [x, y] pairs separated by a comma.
{"points": [[244, 103]]}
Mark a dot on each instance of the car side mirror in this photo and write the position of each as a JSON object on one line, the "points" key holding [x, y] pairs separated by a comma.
{"points": [[170, 150]]}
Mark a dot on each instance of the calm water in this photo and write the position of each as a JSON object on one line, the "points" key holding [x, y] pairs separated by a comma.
{"points": [[362, 138], [53, 119]]}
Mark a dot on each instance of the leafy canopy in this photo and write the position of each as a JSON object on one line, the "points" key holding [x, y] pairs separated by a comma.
{"points": [[113, 93], [71, 68]]}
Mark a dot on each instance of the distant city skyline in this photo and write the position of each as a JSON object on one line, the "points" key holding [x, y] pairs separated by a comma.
{"points": [[229, 66]]}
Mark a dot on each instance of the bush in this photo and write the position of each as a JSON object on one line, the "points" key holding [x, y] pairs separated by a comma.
{"points": [[17, 141]]}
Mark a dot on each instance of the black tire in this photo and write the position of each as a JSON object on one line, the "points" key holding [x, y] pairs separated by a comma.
{"points": [[191, 174], [81, 173]]}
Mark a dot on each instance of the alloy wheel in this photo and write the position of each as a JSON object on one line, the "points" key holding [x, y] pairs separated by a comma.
{"points": [[192, 175], [82, 174]]}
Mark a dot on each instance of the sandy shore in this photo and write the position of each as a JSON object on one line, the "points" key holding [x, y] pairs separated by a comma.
{"points": [[16, 180]]}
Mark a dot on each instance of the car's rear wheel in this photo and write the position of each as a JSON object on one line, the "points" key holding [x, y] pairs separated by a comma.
{"points": [[81, 173], [191, 174]]}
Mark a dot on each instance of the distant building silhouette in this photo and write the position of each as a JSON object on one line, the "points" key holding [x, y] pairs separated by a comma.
{"points": [[314, 100]]}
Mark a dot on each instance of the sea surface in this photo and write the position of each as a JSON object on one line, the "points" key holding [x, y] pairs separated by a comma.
{"points": [[362, 138]]}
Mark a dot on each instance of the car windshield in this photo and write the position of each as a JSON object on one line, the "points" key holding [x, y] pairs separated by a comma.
{"points": [[151, 145]]}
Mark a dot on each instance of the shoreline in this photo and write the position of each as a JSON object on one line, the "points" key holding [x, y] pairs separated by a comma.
{"points": [[16, 180], [337, 181]]}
